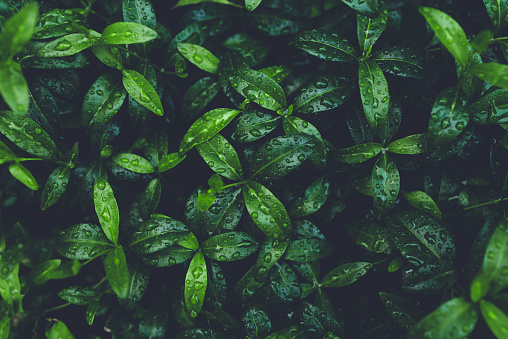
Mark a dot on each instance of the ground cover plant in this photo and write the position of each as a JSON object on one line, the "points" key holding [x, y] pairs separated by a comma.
{"points": [[253, 169]]}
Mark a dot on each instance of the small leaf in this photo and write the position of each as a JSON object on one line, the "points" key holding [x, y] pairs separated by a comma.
{"points": [[345, 274], [449, 32], [106, 209], [277, 73], [369, 29], [117, 271], [222, 158], [252, 4], [401, 61], [374, 93], [18, 30], [314, 198], [142, 91], [496, 74], [169, 161], [127, 33], [270, 252], [206, 127], [495, 261], [82, 242], [321, 94], [79, 295], [358, 153], [205, 200], [66, 46], [59, 331], [157, 234], [195, 284], [253, 125], [24, 176], [495, 318], [229, 246], [385, 185], [405, 313], [368, 234], [91, 310], [325, 45], [55, 186], [199, 56], [133, 162], [14, 88], [423, 202], [453, 319], [42, 272], [412, 144], [305, 250], [109, 55]]}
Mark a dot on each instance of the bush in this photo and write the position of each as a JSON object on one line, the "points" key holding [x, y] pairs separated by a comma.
{"points": [[259, 169]]}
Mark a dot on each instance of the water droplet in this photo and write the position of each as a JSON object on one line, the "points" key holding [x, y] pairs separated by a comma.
{"points": [[63, 45], [101, 185]]}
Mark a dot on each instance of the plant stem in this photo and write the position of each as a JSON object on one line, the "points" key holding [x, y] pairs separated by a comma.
{"points": [[486, 203], [55, 308]]}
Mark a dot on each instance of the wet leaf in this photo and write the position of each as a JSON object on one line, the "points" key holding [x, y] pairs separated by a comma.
{"points": [[496, 74], [453, 319], [404, 312], [374, 93], [495, 318], [497, 11], [295, 125], [216, 288], [385, 185], [369, 29], [117, 271], [138, 282], [449, 32], [495, 261], [314, 198], [169, 161], [55, 186], [281, 155], [78, 60], [305, 229], [229, 246], [358, 126], [23, 175], [325, 45], [253, 50], [91, 311], [66, 46], [133, 162], [306, 250], [139, 11], [270, 252], [359, 153], [253, 125], [157, 234], [79, 295], [320, 320], [150, 198], [206, 127], [419, 237], [172, 255], [195, 284], [198, 96], [412, 144], [256, 321], [290, 332], [490, 108], [18, 30], [252, 4], [127, 33], [142, 91], [277, 73], [109, 55], [284, 283], [273, 24], [14, 88], [156, 147], [266, 211], [222, 158], [82, 242], [345, 274], [57, 22], [106, 209], [368, 7], [368, 234], [59, 331], [423, 202], [401, 61], [199, 56], [42, 272]]}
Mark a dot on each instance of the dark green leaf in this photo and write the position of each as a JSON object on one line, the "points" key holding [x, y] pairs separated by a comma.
{"points": [[169, 256], [277, 73], [216, 291], [229, 246], [496, 74], [345, 274], [205, 128], [222, 158], [401, 61], [127, 33], [142, 91], [325, 45], [106, 209], [55, 186], [385, 185], [392, 123], [73, 61], [412, 144], [423, 202], [156, 147], [153, 326], [309, 270], [169, 161], [453, 319], [306, 250], [290, 332], [323, 93], [134, 163], [368, 234], [109, 55], [199, 56], [320, 320], [358, 125], [367, 7], [14, 88], [445, 151], [254, 51], [294, 125], [66, 46], [369, 29], [117, 271], [140, 11], [495, 261], [266, 211], [18, 30], [198, 96], [490, 108], [79, 295], [42, 272], [314, 198], [57, 22], [305, 229], [270, 252], [150, 198], [253, 125], [497, 11], [284, 283], [499, 166], [273, 24], [374, 92], [157, 234], [195, 284], [248, 286], [22, 174], [495, 318], [256, 321], [82, 242], [405, 313], [358, 153]]}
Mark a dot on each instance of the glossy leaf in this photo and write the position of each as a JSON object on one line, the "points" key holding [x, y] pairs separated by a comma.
{"points": [[18, 30], [157, 234], [405, 313], [127, 33], [496, 74], [323, 93], [156, 147], [42, 272], [134, 163], [453, 319], [314, 198], [229, 246], [14, 88], [253, 125], [253, 50], [284, 283], [78, 60], [401, 61], [59, 331], [169, 161], [277, 73], [429, 278], [23, 175], [369, 29], [150, 198], [142, 91], [449, 32], [256, 321], [139, 11], [490, 108], [320, 320], [206, 127], [172, 255], [495, 261], [290, 332], [67, 45], [82, 242], [368, 7], [497, 11], [153, 326], [117, 271], [273, 24], [91, 311], [79, 295], [109, 55], [368, 234], [57, 22], [374, 93], [325, 45], [392, 123], [55, 186], [419, 237], [216, 289], [423, 202], [495, 318], [295, 125], [266, 211], [448, 118], [106, 208], [306, 250], [270, 252], [198, 96], [358, 153], [195, 284], [252, 4], [345, 274], [281, 155], [385, 185], [222, 158], [199, 56], [305, 229], [358, 125], [412, 144]]}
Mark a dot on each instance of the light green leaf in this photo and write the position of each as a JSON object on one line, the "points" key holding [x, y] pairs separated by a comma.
{"points": [[423, 202], [205, 200], [55, 186], [134, 163], [22, 174], [169, 161], [450, 33], [495, 318], [82, 242], [252, 4], [495, 261], [385, 185], [314, 198], [59, 331], [106, 209], [17, 31], [496, 74], [345, 274], [412, 144], [229, 246], [127, 33], [325, 45], [67, 45], [91, 310], [14, 88], [222, 158], [42, 272], [199, 56], [117, 271], [277, 73], [195, 284], [142, 91], [67, 269], [374, 93], [358, 153]]}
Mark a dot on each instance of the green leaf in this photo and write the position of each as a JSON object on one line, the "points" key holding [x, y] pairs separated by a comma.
{"points": [[253, 125], [496, 74], [490, 108], [23, 175], [281, 155], [374, 92], [266, 211], [195, 284], [14, 88], [150, 198], [91, 311], [449, 32], [57, 22], [495, 261], [153, 326], [321, 94], [306, 250], [133, 162], [82, 242], [139, 11], [205, 200], [314, 198], [156, 147], [117, 271], [284, 283], [181, 3], [358, 153], [448, 118], [499, 166], [67, 45], [198, 96], [67, 269], [480, 286], [320, 320], [412, 144], [359, 127], [419, 237], [59, 331], [368, 234], [256, 321], [189, 241], [157, 234], [222, 158], [392, 123], [482, 40], [453, 319], [205, 128], [169, 161], [142, 91], [368, 7], [325, 45], [253, 50], [270, 252], [18, 30], [497, 11], [495, 318], [73, 61], [55, 186], [290, 332], [109, 55], [120, 33], [252, 4], [42, 272], [423, 202], [385, 185], [169, 256], [369, 29], [277, 73], [199, 56], [229, 246], [405, 313], [137, 284], [294, 125], [345, 274], [79, 295], [401, 61], [102, 101], [274, 24], [139, 114], [106, 209]]}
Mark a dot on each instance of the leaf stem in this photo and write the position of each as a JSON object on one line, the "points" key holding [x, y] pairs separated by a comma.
{"points": [[492, 202], [55, 308]]}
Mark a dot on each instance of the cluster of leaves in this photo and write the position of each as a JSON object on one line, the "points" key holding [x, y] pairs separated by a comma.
{"points": [[363, 201]]}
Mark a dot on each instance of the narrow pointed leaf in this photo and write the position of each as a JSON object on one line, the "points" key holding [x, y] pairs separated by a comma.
{"points": [[66, 46], [14, 88], [497, 11], [106, 209], [314, 198], [229, 246], [358, 153], [117, 271], [222, 158], [142, 91], [195, 284], [496, 74], [323, 93], [405, 313], [412, 144], [284, 283], [109, 55], [198, 96], [369, 29], [157, 234], [374, 93], [325, 45], [385, 185], [42, 272], [270, 252], [253, 125], [199, 56], [23, 175], [345, 274], [495, 261], [423, 202], [55, 186], [169, 161], [79, 295], [305, 250], [82, 242], [127, 33], [495, 318], [18, 30], [401, 61], [134, 163]]}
